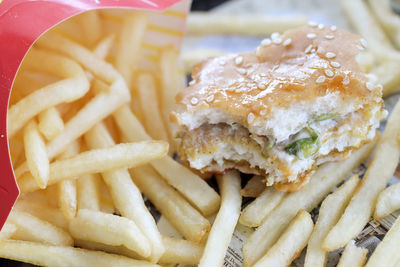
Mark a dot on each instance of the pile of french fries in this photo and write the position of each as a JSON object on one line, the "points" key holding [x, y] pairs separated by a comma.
{"points": [[90, 139], [81, 124]]}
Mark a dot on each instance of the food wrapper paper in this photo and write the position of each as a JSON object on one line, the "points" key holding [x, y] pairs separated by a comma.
{"points": [[22, 22]]}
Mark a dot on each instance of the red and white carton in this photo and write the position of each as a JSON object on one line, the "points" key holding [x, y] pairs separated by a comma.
{"points": [[22, 22]]}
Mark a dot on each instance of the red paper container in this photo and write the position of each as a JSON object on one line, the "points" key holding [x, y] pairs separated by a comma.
{"points": [[22, 22]]}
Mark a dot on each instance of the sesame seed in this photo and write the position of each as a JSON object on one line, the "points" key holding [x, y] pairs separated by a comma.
{"points": [[263, 112], [313, 50], [210, 98], [329, 37], [192, 82], [330, 55], [250, 117], [287, 42], [194, 101], [312, 23], [308, 49], [261, 86], [329, 73], [346, 80], [360, 47], [311, 35], [320, 50], [370, 86], [363, 42], [321, 26], [320, 79], [238, 60], [335, 64], [274, 35], [333, 28], [241, 71], [266, 41], [277, 40]]}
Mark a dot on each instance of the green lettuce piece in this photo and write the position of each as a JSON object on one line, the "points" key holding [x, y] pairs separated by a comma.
{"points": [[326, 116], [304, 147]]}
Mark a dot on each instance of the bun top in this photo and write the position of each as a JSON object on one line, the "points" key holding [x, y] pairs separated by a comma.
{"points": [[301, 64]]}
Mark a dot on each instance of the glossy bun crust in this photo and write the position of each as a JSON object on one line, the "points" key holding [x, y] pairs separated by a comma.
{"points": [[301, 64]]}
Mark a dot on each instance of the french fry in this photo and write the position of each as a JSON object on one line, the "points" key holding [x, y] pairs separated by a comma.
{"points": [[106, 201], [27, 82], [91, 27], [124, 155], [21, 169], [366, 61], [254, 187], [192, 57], [97, 109], [387, 253], [329, 213], [38, 197], [243, 24], [365, 24], [225, 222], [67, 199], [70, 29], [50, 123], [191, 186], [112, 128], [353, 256], [74, 86], [256, 212], [36, 154], [177, 250], [321, 183], [128, 46], [388, 74], [16, 144], [82, 55], [103, 48], [388, 19], [46, 255], [379, 172], [119, 250], [181, 251], [291, 242], [171, 84], [42, 211], [388, 201], [126, 195], [147, 95], [101, 105], [88, 195], [127, 53], [109, 229], [31, 228], [7, 231], [187, 220], [52, 195]]}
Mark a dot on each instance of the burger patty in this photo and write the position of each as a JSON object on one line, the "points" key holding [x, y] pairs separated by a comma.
{"points": [[216, 147]]}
